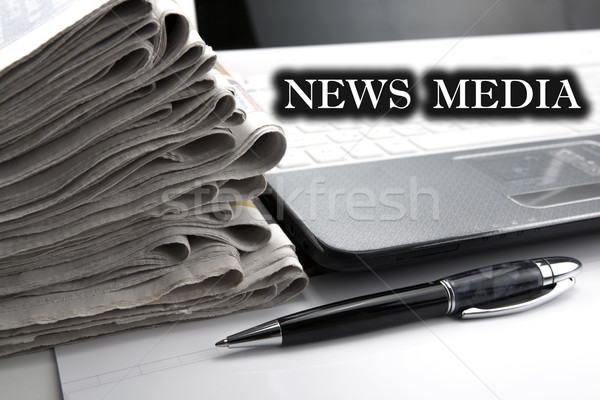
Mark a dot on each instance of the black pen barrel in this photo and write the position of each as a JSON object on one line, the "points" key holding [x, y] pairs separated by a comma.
{"points": [[366, 313], [475, 293]]}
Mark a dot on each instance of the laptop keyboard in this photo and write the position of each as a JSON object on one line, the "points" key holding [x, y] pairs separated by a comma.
{"points": [[333, 142]]}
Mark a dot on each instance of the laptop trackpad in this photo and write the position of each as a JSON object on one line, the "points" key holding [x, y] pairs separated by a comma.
{"points": [[545, 176], [557, 197]]}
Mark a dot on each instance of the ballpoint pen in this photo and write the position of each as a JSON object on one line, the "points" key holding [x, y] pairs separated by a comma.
{"points": [[482, 292]]}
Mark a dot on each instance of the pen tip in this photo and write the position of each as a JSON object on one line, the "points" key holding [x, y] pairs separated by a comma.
{"points": [[222, 343]]}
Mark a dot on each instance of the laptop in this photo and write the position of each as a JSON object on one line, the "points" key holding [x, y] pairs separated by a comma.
{"points": [[377, 192]]}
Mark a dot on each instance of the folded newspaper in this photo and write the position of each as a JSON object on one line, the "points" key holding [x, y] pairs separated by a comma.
{"points": [[127, 170]]}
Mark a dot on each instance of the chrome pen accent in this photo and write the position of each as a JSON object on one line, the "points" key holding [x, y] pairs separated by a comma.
{"points": [[483, 292], [547, 274], [563, 268], [451, 299], [267, 334]]}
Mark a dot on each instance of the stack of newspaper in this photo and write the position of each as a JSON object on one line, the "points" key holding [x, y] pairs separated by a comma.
{"points": [[126, 173]]}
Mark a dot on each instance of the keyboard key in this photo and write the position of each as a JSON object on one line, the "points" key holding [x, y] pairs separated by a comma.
{"points": [[294, 158], [471, 124], [371, 122], [347, 124], [379, 122], [304, 140], [310, 127], [327, 153], [378, 132], [439, 127], [345, 136], [395, 146], [495, 135], [363, 149], [410, 129]]}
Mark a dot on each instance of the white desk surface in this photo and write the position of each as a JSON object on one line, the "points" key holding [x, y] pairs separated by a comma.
{"points": [[551, 352]]}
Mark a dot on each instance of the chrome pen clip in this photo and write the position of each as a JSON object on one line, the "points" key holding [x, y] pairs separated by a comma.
{"points": [[559, 288]]}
